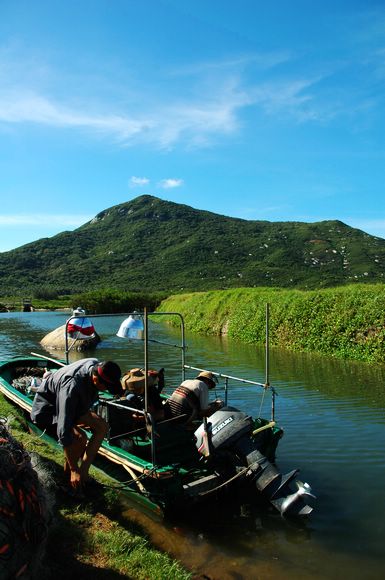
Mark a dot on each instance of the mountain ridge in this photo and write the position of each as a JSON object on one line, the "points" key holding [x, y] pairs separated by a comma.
{"points": [[152, 244]]}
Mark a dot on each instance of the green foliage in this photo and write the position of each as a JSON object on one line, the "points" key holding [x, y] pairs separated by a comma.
{"points": [[16, 303], [153, 245], [347, 322], [51, 304], [113, 301], [45, 292]]}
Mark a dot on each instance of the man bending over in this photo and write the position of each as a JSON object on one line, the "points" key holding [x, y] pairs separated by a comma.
{"points": [[64, 401]]}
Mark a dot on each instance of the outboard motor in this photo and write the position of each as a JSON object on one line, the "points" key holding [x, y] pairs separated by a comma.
{"points": [[230, 431]]}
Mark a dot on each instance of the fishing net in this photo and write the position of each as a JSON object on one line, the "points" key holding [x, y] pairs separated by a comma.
{"points": [[28, 379], [23, 510]]}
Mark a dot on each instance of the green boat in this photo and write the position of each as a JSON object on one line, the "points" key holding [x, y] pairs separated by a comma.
{"points": [[169, 466]]}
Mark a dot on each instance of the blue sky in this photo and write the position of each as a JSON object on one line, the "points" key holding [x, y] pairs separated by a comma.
{"points": [[259, 110]]}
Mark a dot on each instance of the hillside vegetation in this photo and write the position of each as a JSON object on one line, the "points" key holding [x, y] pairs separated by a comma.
{"points": [[345, 322], [153, 245]]}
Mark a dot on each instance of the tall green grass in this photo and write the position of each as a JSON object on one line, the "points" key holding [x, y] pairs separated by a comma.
{"points": [[347, 322]]}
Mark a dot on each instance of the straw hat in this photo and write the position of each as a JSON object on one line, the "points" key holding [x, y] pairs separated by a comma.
{"points": [[134, 380], [209, 376]]}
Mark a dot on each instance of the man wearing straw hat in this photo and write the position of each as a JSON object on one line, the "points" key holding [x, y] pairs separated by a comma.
{"points": [[133, 383], [190, 400]]}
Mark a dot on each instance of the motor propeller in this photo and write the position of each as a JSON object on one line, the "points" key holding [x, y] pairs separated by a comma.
{"points": [[291, 504]]}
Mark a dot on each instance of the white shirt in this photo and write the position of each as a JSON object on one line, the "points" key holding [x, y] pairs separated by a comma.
{"points": [[200, 389]]}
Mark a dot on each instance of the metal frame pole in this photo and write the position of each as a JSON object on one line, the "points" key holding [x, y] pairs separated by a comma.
{"points": [[145, 324], [267, 353]]}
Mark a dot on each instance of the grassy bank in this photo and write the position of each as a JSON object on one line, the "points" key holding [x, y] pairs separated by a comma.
{"points": [[90, 540], [347, 322]]}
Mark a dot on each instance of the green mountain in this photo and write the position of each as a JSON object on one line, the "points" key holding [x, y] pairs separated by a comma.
{"points": [[151, 244]]}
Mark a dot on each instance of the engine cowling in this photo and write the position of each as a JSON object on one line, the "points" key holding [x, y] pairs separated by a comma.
{"points": [[224, 428]]}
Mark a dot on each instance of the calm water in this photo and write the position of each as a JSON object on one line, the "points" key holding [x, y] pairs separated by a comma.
{"points": [[334, 421]]}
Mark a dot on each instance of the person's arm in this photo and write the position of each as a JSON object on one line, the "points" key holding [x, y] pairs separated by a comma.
{"points": [[213, 406], [205, 409]]}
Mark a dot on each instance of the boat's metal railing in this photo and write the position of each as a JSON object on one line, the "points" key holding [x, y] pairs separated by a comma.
{"points": [[182, 346], [265, 386], [145, 314], [228, 378], [147, 427]]}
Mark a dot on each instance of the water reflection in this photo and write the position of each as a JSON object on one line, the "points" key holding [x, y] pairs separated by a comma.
{"points": [[333, 415]]}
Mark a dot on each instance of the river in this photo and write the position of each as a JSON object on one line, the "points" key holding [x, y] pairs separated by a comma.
{"points": [[333, 416]]}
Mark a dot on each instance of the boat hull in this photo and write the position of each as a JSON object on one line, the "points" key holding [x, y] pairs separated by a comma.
{"points": [[169, 471]]}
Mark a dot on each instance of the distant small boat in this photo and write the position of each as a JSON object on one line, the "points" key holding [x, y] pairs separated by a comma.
{"points": [[170, 465]]}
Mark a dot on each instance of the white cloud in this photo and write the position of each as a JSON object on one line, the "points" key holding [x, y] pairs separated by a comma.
{"points": [[262, 61], [217, 93], [34, 108], [289, 97], [139, 181], [196, 121], [210, 110], [170, 183], [44, 220]]}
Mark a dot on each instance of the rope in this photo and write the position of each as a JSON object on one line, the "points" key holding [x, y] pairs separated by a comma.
{"points": [[263, 428], [225, 482], [262, 401], [122, 484]]}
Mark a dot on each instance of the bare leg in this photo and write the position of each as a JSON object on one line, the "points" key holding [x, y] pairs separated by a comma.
{"points": [[75, 450], [98, 428], [67, 469], [73, 454]]}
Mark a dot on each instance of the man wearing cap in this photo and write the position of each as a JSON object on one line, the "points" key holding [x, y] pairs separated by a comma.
{"points": [[190, 400], [64, 401]]}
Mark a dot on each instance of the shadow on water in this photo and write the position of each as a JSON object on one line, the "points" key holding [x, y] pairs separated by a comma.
{"points": [[227, 540]]}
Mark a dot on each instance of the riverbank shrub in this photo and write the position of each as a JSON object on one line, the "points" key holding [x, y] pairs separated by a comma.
{"points": [[347, 322], [114, 301], [105, 301]]}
